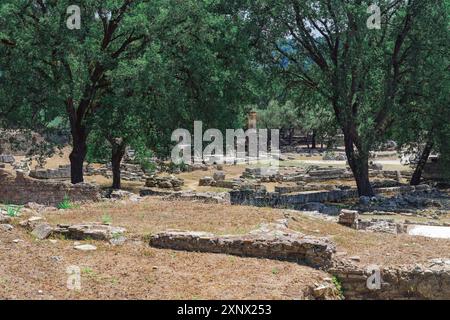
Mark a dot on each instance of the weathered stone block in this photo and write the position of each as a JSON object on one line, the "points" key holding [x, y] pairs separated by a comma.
{"points": [[205, 181], [274, 244], [7, 158], [93, 231], [348, 218], [42, 231], [22, 189], [219, 176]]}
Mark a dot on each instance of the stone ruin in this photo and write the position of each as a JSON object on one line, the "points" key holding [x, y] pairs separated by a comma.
{"points": [[262, 198], [429, 280], [164, 182], [205, 197], [21, 189], [271, 241], [128, 171], [218, 180], [41, 230], [7, 158], [334, 156], [62, 172], [349, 218]]}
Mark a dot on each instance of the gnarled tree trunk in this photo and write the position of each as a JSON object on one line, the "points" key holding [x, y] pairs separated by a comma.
{"points": [[359, 164], [417, 175], [313, 140], [78, 153], [118, 151]]}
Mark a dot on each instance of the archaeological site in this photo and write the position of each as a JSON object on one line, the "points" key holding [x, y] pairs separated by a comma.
{"points": [[217, 150]]}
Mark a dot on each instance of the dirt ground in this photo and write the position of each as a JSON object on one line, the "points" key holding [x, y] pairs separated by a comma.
{"points": [[154, 215], [35, 269]]}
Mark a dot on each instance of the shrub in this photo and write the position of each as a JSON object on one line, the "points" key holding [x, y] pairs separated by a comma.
{"points": [[106, 219], [13, 211], [65, 204]]}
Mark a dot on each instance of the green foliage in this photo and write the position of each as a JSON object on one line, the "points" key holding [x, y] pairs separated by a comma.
{"points": [[338, 285], [172, 167], [279, 116], [144, 157], [13, 211], [98, 150], [65, 204], [106, 219]]}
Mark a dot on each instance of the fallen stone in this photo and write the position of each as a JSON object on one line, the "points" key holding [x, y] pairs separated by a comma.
{"points": [[56, 258], [85, 247], [124, 195], [6, 227], [219, 176], [145, 192], [32, 222], [205, 181], [4, 218], [326, 292], [42, 231], [92, 231], [117, 241], [165, 185], [348, 218], [206, 197], [7, 158]]}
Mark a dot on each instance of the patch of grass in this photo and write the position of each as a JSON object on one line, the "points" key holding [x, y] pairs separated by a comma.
{"points": [[60, 236], [65, 204], [337, 283], [87, 271], [116, 235], [13, 211], [106, 219], [275, 271]]}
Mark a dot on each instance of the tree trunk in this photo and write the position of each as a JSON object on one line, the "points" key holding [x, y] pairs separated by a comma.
{"points": [[291, 135], [417, 175], [359, 164], [313, 140], [118, 151], [78, 154]]}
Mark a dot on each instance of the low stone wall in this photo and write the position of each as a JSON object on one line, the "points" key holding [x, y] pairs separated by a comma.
{"points": [[263, 243], [7, 158], [22, 189], [429, 281], [166, 182], [275, 199], [205, 197], [63, 172]]}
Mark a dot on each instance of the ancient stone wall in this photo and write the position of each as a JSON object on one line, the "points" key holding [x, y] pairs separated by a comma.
{"points": [[62, 172], [431, 281], [275, 199], [21, 189], [269, 244]]}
